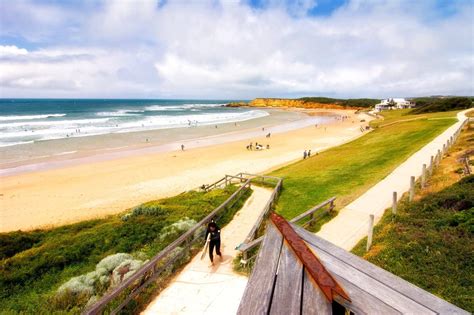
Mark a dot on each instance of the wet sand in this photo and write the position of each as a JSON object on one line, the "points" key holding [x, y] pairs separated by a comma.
{"points": [[80, 190]]}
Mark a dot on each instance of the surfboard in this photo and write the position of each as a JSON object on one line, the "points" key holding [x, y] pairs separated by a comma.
{"points": [[206, 246]]}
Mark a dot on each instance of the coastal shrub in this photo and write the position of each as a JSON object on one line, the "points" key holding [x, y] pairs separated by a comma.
{"points": [[86, 288], [174, 230], [145, 209]]}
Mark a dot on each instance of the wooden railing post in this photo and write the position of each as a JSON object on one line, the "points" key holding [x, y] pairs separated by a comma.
{"points": [[412, 188], [431, 165], [370, 232], [423, 176], [394, 203]]}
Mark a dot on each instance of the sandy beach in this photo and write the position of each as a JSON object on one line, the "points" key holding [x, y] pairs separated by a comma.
{"points": [[79, 191]]}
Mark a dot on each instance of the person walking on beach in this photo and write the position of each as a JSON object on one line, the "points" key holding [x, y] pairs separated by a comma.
{"points": [[214, 233], [182, 147], [305, 154], [309, 153]]}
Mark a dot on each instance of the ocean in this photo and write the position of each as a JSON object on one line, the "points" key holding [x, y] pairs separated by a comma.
{"points": [[24, 121]]}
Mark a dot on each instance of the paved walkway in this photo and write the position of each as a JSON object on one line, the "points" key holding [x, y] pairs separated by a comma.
{"points": [[201, 289], [352, 222]]}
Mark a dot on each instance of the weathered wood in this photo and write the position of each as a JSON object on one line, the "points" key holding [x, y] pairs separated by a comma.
{"points": [[314, 301], [266, 209], [258, 293], [311, 263], [354, 265], [370, 232], [312, 210], [394, 203], [431, 165], [412, 188], [288, 286], [423, 176]]}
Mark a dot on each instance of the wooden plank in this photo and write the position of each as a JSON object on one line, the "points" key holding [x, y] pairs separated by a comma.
{"points": [[314, 301], [382, 294], [404, 288], [258, 293], [288, 286], [313, 265]]}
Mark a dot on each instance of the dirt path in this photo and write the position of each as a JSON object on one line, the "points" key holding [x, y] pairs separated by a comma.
{"points": [[201, 289]]}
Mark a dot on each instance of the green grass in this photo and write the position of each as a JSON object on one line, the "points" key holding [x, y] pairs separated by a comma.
{"points": [[349, 170], [34, 264], [430, 243]]}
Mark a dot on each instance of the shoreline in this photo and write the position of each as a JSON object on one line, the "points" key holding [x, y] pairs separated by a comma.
{"points": [[96, 189], [117, 145]]}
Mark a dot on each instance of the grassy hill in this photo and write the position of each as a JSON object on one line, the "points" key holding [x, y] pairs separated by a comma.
{"points": [[436, 104]]}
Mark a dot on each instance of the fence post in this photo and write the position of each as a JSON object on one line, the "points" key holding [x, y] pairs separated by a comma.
{"points": [[370, 233], [394, 203], [431, 165], [423, 176], [444, 148], [438, 158], [412, 188]]}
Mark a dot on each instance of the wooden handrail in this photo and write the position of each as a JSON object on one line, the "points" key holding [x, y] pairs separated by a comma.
{"points": [[314, 209], [149, 266], [268, 206], [248, 245]]}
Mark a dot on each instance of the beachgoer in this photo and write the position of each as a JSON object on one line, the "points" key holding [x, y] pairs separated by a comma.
{"points": [[309, 153], [268, 146], [305, 154], [182, 147], [216, 126], [263, 129], [214, 240]]}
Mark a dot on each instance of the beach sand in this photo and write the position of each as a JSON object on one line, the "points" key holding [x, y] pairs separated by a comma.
{"points": [[98, 188]]}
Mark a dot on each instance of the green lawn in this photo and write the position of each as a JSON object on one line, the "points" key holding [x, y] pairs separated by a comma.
{"points": [[430, 243], [34, 264], [349, 170]]}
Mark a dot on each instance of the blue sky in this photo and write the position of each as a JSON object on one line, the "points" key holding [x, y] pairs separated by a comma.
{"points": [[236, 49]]}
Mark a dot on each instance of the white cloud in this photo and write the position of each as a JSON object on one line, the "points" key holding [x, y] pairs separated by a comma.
{"points": [[11, 50], [214, 50]]}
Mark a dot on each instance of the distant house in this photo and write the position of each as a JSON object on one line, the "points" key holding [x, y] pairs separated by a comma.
{"points": [[393, 103]]}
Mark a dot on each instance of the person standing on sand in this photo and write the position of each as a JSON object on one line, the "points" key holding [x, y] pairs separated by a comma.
{"points": [[182, 147], [214, 240], [309, 153], [305, 155]]}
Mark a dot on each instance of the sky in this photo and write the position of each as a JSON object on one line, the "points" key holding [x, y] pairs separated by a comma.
{"points": [[224, 49]]}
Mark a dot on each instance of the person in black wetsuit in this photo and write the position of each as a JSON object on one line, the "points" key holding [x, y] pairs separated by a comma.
{"points": [[214, 240]]}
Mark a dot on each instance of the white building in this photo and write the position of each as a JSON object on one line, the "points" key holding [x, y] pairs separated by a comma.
{"points": [[393, 103]]}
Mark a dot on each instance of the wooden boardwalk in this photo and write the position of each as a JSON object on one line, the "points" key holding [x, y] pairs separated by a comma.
{"points": [[297, 272], [200, 289]]}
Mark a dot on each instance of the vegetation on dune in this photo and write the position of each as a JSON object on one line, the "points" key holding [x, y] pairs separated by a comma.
{"points": [[35, 264], [430, 243], [435, 104], [350, 169], [355, 102]]}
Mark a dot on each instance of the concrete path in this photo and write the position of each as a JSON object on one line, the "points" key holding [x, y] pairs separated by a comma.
{"points": [[201, 289], [352, 222]]}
